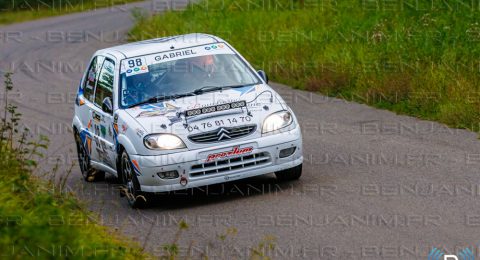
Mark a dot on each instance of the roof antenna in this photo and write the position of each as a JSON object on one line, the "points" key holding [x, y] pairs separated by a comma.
{"points": [[172, 47]]}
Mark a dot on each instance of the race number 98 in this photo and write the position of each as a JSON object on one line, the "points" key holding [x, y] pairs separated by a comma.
{"points": [[135, 63]]}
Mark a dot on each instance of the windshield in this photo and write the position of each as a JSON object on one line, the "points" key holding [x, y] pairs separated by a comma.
{"points": [[180, 72]]}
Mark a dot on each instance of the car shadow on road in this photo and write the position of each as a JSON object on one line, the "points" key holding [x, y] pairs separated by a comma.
{"points": [[266, 185]]}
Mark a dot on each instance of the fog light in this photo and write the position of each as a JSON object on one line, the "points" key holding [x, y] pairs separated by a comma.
{"points": [[287, 152], [168, 175]]}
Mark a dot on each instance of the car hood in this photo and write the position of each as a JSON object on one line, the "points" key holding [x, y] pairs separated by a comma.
{"points": [[169, 116]]}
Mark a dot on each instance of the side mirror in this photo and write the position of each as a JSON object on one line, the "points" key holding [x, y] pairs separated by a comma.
{"points": [[263, 75], [107, 106]]}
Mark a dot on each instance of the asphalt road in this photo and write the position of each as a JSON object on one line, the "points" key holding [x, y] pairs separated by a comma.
{"points": [[375, 185]]}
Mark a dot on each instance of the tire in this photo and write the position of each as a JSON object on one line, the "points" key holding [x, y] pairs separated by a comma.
{"points": [[131, 187], [289, 174], [88, 173]]}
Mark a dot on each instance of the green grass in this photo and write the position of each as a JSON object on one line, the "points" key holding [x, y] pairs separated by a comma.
{"points": [[41, 9], [418, 60], [38, 219], [36, 222]]}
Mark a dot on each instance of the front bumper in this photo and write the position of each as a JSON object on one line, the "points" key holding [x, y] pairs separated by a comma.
{"points": [[194, 167]]}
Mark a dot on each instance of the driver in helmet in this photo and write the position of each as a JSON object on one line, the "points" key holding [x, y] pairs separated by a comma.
{"points": [[202, 66]]}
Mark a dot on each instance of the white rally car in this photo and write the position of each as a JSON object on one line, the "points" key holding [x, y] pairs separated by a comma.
{"points": [[180, 112]]}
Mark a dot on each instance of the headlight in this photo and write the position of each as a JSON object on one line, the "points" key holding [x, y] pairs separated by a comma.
{"points": [[277, 121], [163, 142]]}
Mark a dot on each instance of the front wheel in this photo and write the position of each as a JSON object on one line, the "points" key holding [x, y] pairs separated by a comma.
{"points": [[290, 174], [131, 187]]}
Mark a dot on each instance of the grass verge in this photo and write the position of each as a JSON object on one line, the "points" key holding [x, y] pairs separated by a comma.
{"points": [[419, 58], [37, 219], [42, 9]]}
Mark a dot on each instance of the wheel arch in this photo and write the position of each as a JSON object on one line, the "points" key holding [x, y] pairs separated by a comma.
{"points": [[126, 144], [76, 124]]}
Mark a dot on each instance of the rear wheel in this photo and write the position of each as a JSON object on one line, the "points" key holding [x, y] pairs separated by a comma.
{"points": [[290, 174], [131, 187], [88, 173]]}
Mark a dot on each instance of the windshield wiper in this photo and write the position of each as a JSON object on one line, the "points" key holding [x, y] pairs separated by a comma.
{"points": [[157, 99], [198, 91], [204, 89]]}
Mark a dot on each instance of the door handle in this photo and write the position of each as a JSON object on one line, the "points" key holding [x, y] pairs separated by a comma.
{"points": [[96, 116]]}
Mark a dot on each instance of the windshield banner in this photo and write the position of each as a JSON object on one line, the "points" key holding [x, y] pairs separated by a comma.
{"points": [[138, 65]]}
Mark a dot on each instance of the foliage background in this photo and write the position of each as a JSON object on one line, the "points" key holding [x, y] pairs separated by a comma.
{"points": [[419, 58]]}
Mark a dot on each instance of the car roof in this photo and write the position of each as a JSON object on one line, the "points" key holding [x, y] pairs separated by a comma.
{"points": [[159, 45]]}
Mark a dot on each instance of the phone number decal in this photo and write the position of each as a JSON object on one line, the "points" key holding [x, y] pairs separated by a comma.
{"points": [[219, 122]]}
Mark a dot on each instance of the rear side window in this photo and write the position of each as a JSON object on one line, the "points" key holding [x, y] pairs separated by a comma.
{"points": [[105, 82], [91, 78]]}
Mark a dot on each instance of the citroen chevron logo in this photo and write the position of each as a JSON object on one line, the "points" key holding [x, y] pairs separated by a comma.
{"points": [[223, 134], [465, 254]]}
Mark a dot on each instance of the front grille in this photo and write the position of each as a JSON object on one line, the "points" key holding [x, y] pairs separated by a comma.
{"points": [[226, 165], [223, 134]]}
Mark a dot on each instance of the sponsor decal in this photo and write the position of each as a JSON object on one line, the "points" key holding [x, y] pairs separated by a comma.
{"points": [[245, 90], [136, 168], [89, 144], [103, 130], [215, 108], [102, 151], [140, 132], [234, 152], [115, 127], [217, 102], [97, 130], [160, 109], [124, 128], [151, 113], [115, 134], [89, 124], [80, 101], [214, 46], [86, 141]]}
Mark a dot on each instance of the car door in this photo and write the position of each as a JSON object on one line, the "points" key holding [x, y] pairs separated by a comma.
{"points": [[86, 106], [102, 118]]}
